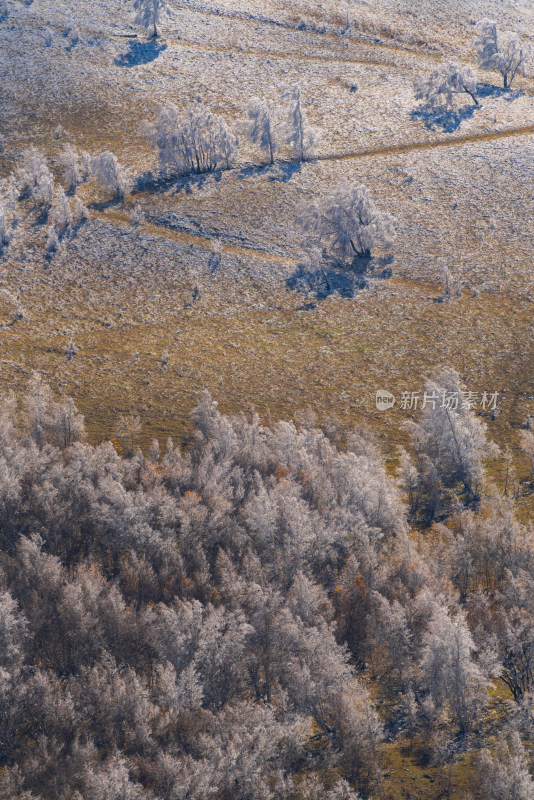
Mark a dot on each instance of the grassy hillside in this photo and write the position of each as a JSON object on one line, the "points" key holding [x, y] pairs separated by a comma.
{"points": [[461, 194]]}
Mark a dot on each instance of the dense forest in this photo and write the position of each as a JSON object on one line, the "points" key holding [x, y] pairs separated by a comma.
{"points": [[258, 614]]}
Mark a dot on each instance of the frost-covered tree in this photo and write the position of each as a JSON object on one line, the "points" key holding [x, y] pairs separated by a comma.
{"points": [[5, 228], [261, 127], [62, 214], [111, 174], [450, 435], [502, 52], [76, 167], [312, 789], [527, 446], [10, 195], [35, 179], [449, 671], [49, 421], [300, 135], [504, 775], [437, 90], [13, 627], [112, 782], [150, 13], [128, 427], [80, 211], [347, 224], [196, 141], [189, 624], [515, 633], [14, 302], [72, 33], [8, 210]]}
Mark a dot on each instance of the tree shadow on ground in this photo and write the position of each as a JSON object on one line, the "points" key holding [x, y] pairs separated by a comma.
{"points": [[280, 171], [42, 217], [487, 90], [67, 233], [148, 182], [448, 120], [104, 205], [140, 53], [321, 282]]}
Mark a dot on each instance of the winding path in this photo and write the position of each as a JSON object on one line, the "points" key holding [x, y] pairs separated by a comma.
{"points": [[116, 216]]}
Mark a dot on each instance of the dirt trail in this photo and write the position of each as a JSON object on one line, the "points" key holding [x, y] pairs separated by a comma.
{"points": [[122, 218], [449, 141], [244, 51], [363, 40], [205, 242], [238, 50]]}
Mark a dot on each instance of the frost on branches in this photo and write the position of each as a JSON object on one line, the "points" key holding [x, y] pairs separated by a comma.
{"points": [[76, 167], [260, 128], [35, 179], [437, 90], [111, 174], [194, 142], [6, 227], [300, 135], [450, 442], [220, 617], [502, 52], [150, 13], [347, 224]]}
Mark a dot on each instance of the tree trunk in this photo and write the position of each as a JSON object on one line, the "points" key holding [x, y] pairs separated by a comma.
{"points": [[473, 97]]}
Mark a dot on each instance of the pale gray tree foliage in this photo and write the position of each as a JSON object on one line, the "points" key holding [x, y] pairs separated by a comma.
{"points": [[5, 228], [503, 52], [111, 174], [76, 167], [527, 445], [8, 210], [52, 242], [504, 774], [449, 670], [112, 782], [73, 34], [261, 127], [438, 89], [347, 224], [47, 420], [35, 179], [301, 136], [451, 435], [195, 141], [13, 631], [61, 213], [190, 624], [150, 13]]}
